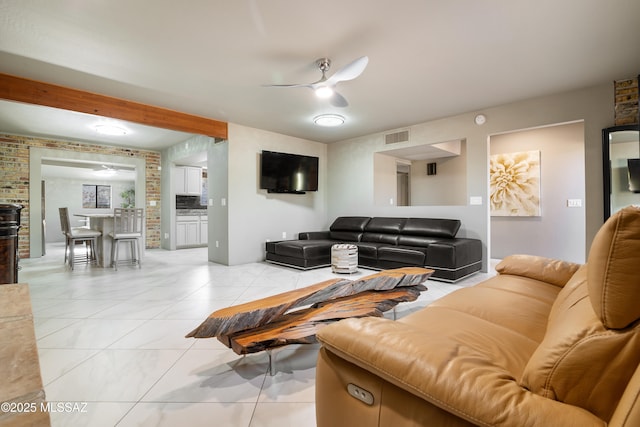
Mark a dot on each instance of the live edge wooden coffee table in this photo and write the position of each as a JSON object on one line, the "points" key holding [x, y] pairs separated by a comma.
{"points": [[294, 317]]}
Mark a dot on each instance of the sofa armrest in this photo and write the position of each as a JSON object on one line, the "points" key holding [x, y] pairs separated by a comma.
{"points": [[446, 374], [553, 271], [314, 235]]}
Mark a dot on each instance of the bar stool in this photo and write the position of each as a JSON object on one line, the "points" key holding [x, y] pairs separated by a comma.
{"points": [[127, 227], [75, 235]]}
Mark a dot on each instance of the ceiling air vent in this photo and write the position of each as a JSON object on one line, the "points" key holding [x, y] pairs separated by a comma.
{"points": [[394, 138]]}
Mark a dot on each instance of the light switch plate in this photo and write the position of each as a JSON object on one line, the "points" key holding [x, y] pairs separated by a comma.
{"points": [[475, 200]]}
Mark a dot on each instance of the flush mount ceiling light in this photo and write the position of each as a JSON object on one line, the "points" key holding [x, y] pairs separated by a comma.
{"points": [[110, 129], [329, 120]]}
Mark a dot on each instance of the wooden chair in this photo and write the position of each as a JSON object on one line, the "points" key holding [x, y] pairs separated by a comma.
{"points": [[127, 227], [75, 235]]}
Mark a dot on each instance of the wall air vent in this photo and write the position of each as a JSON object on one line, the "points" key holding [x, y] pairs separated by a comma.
{"points": [[394, 138]]}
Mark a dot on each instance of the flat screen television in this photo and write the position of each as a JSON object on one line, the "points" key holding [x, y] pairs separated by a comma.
{"points": [[288, 173], [633, 166]]}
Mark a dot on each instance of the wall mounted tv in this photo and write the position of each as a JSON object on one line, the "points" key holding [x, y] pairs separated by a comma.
{"points": [[288, 173]]}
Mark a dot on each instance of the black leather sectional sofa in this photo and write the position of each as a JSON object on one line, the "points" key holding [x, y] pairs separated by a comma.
{"points": [[385, 243]]}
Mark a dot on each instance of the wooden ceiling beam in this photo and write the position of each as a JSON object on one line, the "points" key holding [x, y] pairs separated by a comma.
{"points": [[19, 89]]}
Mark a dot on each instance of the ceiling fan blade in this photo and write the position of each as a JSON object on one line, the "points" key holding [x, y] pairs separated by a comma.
{"points": [[296, 85], [338, 100], [349, 71]]}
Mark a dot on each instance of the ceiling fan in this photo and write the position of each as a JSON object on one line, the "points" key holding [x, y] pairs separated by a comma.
{"points": [[109, 170], [325, 87]]}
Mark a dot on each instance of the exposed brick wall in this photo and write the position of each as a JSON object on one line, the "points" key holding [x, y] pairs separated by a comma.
{"points": [[14, 179], [626, 102]]}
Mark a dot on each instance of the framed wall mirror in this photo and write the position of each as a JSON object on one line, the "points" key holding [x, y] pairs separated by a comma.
{"points": [[621, 168]]}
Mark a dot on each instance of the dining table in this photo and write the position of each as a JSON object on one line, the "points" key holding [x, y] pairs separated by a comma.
{"points": [[102, 222]]}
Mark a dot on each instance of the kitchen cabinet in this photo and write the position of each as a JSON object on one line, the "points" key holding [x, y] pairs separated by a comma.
{"points": [[188, 180], [191, 230], [204, 230]]}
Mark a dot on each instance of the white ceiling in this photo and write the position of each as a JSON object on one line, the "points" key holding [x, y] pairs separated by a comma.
{"points": [[427, 58], [27, 119], [88, 171]]}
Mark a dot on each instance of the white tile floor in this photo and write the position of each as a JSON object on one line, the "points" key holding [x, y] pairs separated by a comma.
{"points": [[115, 341]]}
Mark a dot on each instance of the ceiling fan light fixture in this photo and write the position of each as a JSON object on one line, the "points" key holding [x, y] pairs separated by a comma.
{"points": [[106, 172], [329, 120], [109, 129], [324, 92]]}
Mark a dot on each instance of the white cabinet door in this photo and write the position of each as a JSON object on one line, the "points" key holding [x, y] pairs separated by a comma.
{"points": [[181, 234], [188, 181], [180, 183], [204, 231], [193, 233], [194, 181], [187, 231]]}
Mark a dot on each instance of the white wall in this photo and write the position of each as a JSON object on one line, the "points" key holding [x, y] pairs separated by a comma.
{"points": [[560, 231], [218, 181], [447, 187], [255, 215], [385, 176], [351, 162]]}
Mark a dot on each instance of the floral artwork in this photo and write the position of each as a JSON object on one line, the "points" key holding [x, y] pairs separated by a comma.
{"points": [[515, 184]]}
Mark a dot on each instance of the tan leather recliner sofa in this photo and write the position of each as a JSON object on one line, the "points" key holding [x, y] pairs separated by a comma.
{"points": [[543, 343]]}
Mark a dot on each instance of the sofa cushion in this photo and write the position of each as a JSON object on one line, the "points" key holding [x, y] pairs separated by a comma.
{"points": [[579, 361], [383, 230], [306, 249], [401, 254], [614, 269], [454, 253], [345, 236], [518, 304], [388, 239], [348, 228], [349, 223], [385, 225], [431, 227], [368, 249], [417, 241]]}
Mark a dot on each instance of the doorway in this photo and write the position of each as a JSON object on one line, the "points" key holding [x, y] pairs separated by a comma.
{"points": [[403, 179], [36, 157]]}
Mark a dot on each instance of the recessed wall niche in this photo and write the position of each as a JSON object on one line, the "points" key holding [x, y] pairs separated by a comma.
{"points": [[401, 175]]}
